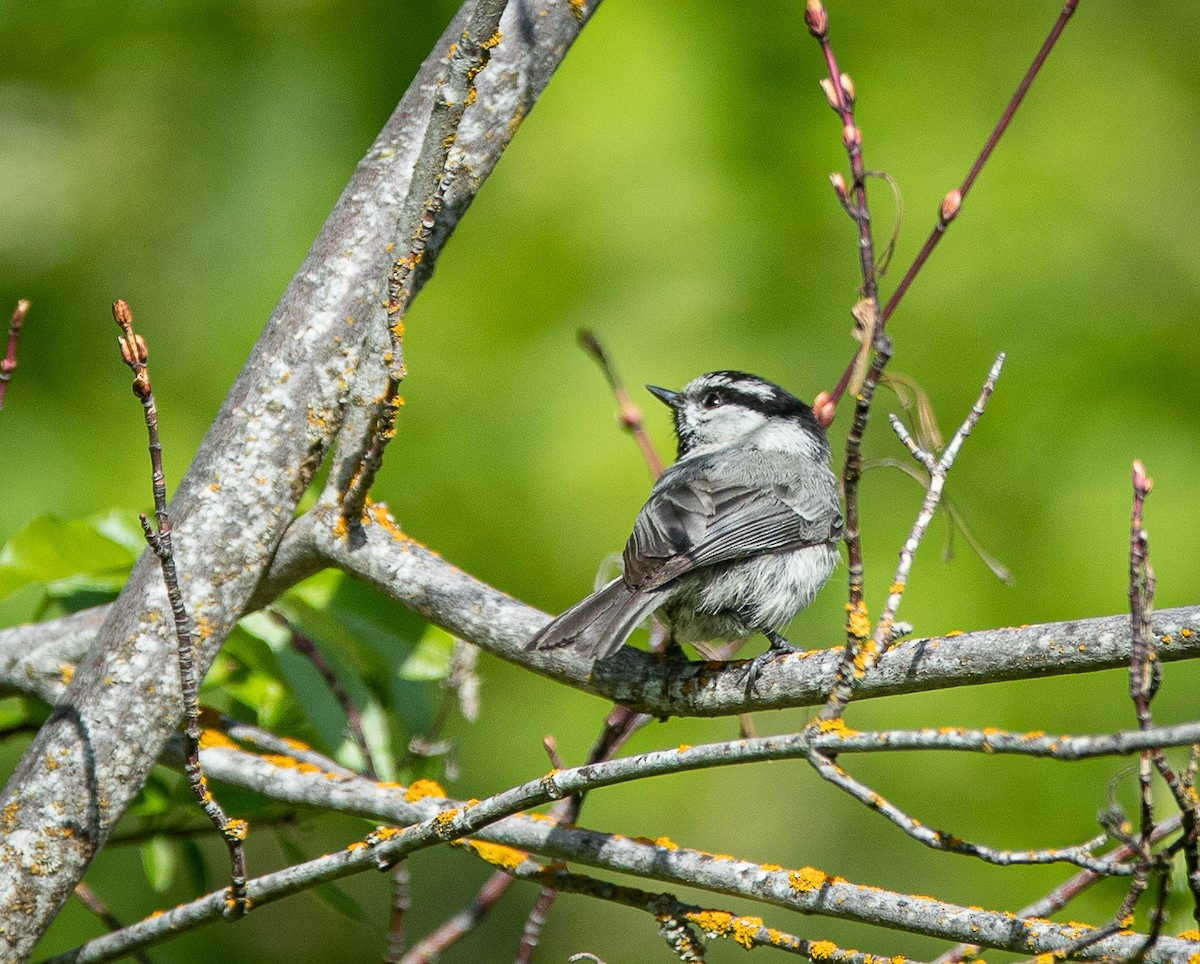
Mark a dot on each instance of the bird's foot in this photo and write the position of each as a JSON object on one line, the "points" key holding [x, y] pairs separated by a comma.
{"points": [[672, 652], [779, 646]]}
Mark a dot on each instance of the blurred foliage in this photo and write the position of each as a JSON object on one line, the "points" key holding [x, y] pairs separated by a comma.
{"points": [[670, 192]]}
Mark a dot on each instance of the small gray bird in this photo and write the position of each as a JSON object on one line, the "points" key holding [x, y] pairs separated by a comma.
{"points": [[737, 536]]}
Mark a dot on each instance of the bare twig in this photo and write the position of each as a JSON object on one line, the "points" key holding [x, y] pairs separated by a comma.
{"points": [[8, 364], [952, 202], [432, 820], [629, 413], [860, 659], [91, 900], [133, 351]]}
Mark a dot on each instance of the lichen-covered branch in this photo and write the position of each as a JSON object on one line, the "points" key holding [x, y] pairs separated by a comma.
{"points": [[305, 376]]}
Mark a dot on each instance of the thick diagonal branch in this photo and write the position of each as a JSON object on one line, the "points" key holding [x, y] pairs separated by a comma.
{"points": [[303, 378]]}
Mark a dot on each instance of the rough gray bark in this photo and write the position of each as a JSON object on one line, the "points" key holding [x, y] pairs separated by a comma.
{"points": [[231, 509]]}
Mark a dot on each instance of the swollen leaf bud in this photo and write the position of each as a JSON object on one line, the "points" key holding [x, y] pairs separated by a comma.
{"points": [[817, 18], [824, 409], [121, 313], [852, 137], [830, 93], [1142, 483], [848, 90], [950, 206], [839, 185]]}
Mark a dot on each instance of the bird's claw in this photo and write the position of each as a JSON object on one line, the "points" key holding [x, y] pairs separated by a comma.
{"points": [[779, 647]]}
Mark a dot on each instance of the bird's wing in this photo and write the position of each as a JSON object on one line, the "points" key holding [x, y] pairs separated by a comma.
{"points": [[696, 523]]}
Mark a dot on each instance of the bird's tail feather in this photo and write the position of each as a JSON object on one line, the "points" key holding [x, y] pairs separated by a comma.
{"points": [[599, 624]]}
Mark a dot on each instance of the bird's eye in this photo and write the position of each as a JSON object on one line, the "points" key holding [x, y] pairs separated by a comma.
{"points": [[712, 400]]}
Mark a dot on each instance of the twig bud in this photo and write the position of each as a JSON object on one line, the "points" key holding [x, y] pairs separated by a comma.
{"points": [[121, 313], [1142, 483], [852, 137], [951, 204], [817, 18], [830, 93], [848, 90], [839, 186], [18, 318], [824, 409]]}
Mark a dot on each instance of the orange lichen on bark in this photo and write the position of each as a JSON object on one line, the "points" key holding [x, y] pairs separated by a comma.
{"points": [[715, 923], [498, 855], [210, 738], [666, 843], [745, 930], [419, 789], [821, 950], [290, 763], [807, 879], [858, 620], [837, 726]]}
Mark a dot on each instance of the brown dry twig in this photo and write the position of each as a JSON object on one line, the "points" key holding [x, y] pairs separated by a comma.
{"points": [[233, 831]]}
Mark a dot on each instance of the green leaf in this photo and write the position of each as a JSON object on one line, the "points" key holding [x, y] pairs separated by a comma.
{"points": [[160, 861]]}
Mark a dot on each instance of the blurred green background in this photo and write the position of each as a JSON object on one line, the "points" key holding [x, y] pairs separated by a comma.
{"points": [[669, 191]]}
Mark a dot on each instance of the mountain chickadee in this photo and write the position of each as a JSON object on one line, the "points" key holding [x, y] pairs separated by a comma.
{"points": [[737, 536]]}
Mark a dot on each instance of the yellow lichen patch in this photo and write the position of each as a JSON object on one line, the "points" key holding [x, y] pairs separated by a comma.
{"points": [[204, 628], [1044, 959], [419, 789], [8, 818], [807, 879], [290, 763], [379, 513], [296, 744], [683, 748], [1167, 639], [380, 834], [1185, 633], [837, 726], [896, 588], [858, 620], [67, 672], [953, 633], [357, 845], [1033, 735], [745, 930], [210, 738], [821, 950], [236, 828], [666, 843], [443, 823], [715, 923], [51, 763], [578, 8], [507, 858], [769, 868], [1192, 935], [1194, 959]]}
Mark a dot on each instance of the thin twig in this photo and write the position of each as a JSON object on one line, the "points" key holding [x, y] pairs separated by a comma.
{"points": [[436, 171], [8, 364], [233, 831], [91, 900], [629, 413], [860, 658], [952, 202]]}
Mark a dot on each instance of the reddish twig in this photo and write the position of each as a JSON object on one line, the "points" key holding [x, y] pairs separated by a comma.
{"points": [[133, 351], [952, 202], [628, 412], [8, 364], [91, 900]]}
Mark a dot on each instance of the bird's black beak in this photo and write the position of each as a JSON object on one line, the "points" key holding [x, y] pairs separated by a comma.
{"points": [[664, 395]]}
